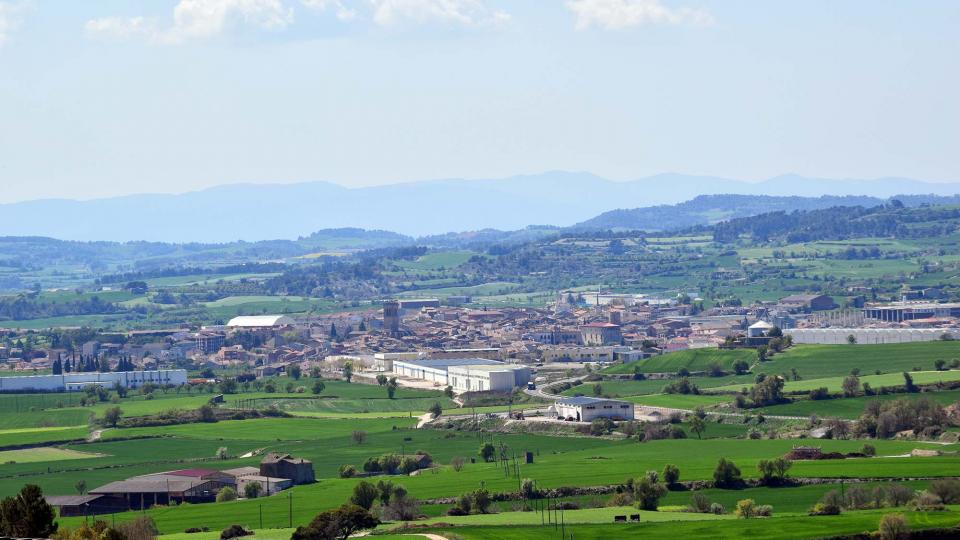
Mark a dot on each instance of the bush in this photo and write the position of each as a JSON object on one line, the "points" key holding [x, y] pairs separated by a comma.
{"points": [[671, 474], [829, 505], [364, 494], [234, 531], [648, 492], [868, 450], [718, 509], [927, 502], [764, 510], [898, 495], [621, 499], [726, 475], [487, 451], [227, 494], [347, 471], [700, 503], [601, 426], [893, 527], [948, 489], [746, 509], [456, 511]]}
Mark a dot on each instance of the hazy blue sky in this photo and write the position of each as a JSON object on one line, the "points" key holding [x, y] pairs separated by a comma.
{"points": [[104, 97]]}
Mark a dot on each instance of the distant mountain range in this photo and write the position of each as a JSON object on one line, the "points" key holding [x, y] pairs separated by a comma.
{"points": [[285, 211]]}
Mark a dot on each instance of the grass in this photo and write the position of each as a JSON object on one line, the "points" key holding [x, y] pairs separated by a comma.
{"points": [[819, 361], [834, 384], [780, 528], [692, 359], [28, 436], [851, 407], [588, 515], [558, 462], [679, 401], [34, 455]]}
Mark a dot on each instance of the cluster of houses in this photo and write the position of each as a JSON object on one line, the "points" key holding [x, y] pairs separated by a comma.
{"points": [[199, 485]]}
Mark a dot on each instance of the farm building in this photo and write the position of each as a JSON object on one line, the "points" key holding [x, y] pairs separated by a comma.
{"points": [[86, 505], [140, 492], [586, 409], [268, 484], [484, 378], [465, 374], [260, 321], [297, 470], [71, 382]]}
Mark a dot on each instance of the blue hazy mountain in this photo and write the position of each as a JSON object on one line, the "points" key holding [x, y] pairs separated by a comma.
{"points": [[254, 212]]}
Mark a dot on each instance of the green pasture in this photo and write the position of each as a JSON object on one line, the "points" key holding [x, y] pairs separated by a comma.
{"points": [[29, 436], [680, 401], [779, 528], [587, 515], [851, 407], [818, 361], [34, 455], [834, 384], [692, 359], [568, 462]]}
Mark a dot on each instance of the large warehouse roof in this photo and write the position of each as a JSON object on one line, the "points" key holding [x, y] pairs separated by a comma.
{"points": [[443, 363], [260, 321]]}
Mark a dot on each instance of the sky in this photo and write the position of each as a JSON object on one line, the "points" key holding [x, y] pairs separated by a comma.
{"points": [[108, 97]]}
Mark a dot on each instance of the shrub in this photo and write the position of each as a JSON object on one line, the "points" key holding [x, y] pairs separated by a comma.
{"points": [[227, 494], [601, 426], [764, 510], [829, 505], [347, 471], [648, 492], [726, 475], [927, 502], [336, 523], [746, 509], [139, 528], [671, 474], [893, 527], [487, 451], [234, 531], [699, 502], [718, 509], [252, 490], [457, 463], [621, 499], [947, 489], [868, 450], [898, 495], [364, 494]]}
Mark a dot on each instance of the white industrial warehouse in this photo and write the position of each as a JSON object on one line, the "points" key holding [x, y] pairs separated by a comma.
{"points": [[69, 382], [260, 321], [465, 374], [586, 409]]}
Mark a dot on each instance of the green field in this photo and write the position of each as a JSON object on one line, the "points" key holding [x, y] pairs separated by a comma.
{"points": [[780, 528], [590, 515], [692, 359], [34, 455], [851, 407], [819, 361], [834, 384]]}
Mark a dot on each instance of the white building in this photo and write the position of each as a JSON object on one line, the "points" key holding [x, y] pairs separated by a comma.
{"points": [[383, 361], [586, 409], [472, 374], [260, 321], [70, 382], [484, 378]]}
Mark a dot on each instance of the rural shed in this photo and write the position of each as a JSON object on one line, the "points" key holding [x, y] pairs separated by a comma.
{"points": [[586, 409]]}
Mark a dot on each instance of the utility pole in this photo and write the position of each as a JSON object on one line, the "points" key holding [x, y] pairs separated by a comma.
{"points": [[290, 511]]}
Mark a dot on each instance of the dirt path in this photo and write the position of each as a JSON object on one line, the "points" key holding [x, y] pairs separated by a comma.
{"points": [[95, 435], [424, 419]]}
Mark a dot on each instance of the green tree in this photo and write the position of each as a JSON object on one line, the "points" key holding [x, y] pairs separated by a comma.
{"points": [[111, 416], [226, 494], [726, 474], [698, 426], [252, 490], [364, 495], [435, 409], [648, 492], [318, 387], [294, 372], [27, 514], [671, 474], [487, 451], [348, 371], [337, 524]]}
